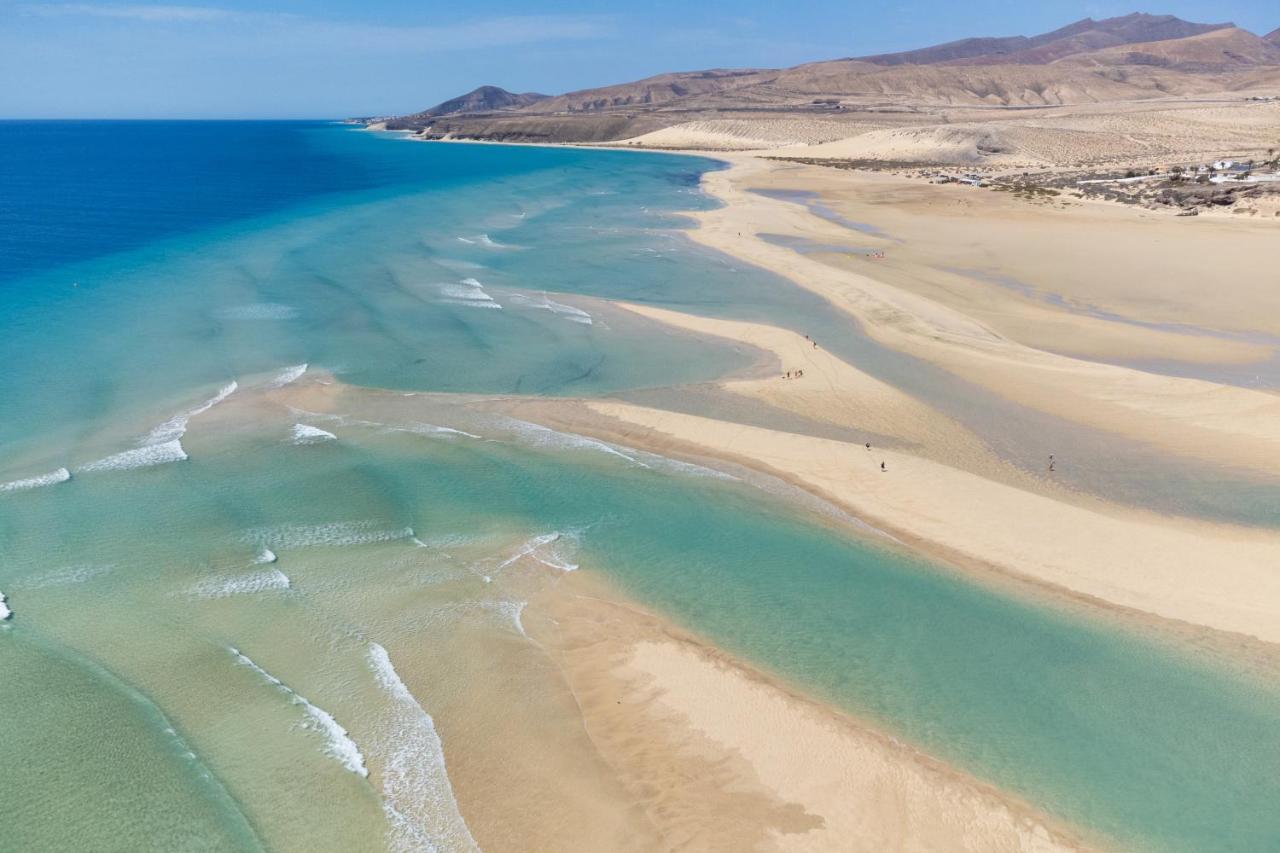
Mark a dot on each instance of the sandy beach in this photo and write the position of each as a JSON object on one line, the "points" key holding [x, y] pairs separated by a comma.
{"points": [[710, 754], [719, 757]]}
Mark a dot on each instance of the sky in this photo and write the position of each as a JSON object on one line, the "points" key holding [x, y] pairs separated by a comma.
{"points": [[338, 58]]}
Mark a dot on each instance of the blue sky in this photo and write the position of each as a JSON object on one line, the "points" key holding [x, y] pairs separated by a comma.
{"points": [[333, 58]]}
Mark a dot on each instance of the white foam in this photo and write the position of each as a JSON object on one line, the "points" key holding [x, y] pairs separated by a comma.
{"points": [[513, 610], [287, 376], [50, 479], [666, 463], [140, 457], [339, 744], [5, 612], [176, 426], [484, 240], [333, 535], [469, 291], [305, 434], [540, 436], [257, 311], [226, 586], [265, 555], [417, 796], [550, 549], [570, 313], [431, 429], [64, 577]]}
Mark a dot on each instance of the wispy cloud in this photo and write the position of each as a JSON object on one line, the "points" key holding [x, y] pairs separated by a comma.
{"points": [[477, 33], [159, 14]]}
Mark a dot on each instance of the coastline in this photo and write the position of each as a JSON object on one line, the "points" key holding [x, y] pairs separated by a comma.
{"points": [[556, 692], [691, 747], [1072, 542], [720, 756]]}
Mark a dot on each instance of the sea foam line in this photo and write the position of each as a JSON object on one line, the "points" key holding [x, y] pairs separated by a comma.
{"points": [[334, 534], [176, 426], [339, 744], [574, 315], [540, 436], [469, 291], [140, 457], [50, 479], [5, 612], [223, 587], [287, 376], [417, 796], [68, 576], [533, 547]]}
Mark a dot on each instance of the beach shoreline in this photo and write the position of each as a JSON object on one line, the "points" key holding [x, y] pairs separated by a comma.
{"points": [[722, 756]]}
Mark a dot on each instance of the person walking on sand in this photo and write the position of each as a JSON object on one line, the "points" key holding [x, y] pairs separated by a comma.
{"points": [[882, 468], [868, 446]]}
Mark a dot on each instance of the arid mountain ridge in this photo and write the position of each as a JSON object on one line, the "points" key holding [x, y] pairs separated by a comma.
{"points": [[935, 95]]}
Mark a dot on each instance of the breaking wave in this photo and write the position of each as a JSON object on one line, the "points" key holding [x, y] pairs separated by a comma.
{"points": [[140, 457], [486, 241], [554, 550], [570, 313], [540, 436], [50, 479], [176, 426], [334, 534], [304, 434], [339, 744], [287, 376], [469, 291], [224, 587], [432, 429], [417, 796], [5, 612]]}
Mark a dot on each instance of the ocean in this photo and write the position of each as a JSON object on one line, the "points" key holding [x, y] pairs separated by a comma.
{"points": [[244, 625]]}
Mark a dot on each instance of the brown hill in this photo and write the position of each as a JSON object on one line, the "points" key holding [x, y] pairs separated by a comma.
{"points": [[1216, 51], [1273, 36], [1118, 60], [484, 99], [1083, 35], [657, 91]]}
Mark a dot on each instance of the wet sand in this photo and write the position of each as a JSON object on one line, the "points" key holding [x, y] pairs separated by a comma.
{"points": [[720, 757]]}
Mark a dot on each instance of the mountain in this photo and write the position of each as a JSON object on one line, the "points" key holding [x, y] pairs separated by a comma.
{"points": [[1273, 36], [485, 99], [657, 91], [1083, 35], [1133, 58], [1216, 51]]}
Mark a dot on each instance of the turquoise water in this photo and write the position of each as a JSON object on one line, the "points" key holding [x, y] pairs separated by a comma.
{"points": [[168, 686]]}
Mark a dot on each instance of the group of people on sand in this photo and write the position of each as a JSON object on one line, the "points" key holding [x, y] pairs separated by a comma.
{"points": [[793, 374], [882, 465]]}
